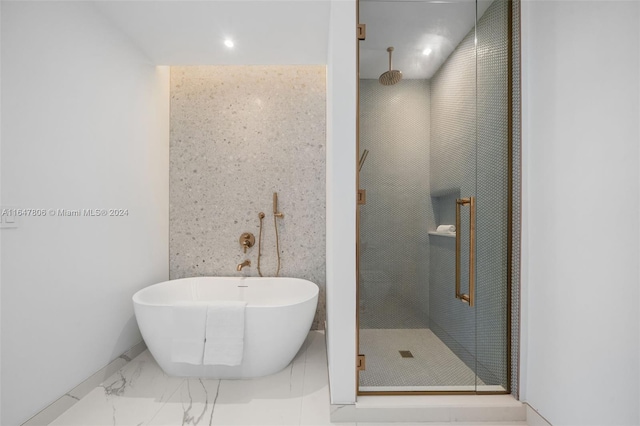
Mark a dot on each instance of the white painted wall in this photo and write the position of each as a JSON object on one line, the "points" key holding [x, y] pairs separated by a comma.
{"points": [[581, 140], [84, 125], [0, 232], [341, 201]]}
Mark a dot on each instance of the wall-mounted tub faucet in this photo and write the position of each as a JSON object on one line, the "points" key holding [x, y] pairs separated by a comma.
{"points": [[243, 264]]}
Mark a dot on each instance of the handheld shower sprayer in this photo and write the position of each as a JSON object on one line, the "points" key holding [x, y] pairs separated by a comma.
{"points": [[276, 213]]}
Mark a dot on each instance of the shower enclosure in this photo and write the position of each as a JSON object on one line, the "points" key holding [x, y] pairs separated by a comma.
{"points": [[434, 310]]}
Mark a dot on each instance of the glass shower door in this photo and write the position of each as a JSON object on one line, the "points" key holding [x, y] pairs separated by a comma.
{"points": [[417, 139], [434, 224]]}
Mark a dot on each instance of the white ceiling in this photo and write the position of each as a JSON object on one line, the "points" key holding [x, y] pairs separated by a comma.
{"points": [[184, 32], [411, 27], [193, 32]]}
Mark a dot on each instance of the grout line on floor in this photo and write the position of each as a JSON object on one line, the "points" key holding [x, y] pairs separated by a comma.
{"points": [[304, 374], [166, 400], [213, 407]]}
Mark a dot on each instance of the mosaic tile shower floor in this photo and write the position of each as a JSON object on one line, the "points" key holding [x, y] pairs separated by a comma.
{"points": [[433, 366]]}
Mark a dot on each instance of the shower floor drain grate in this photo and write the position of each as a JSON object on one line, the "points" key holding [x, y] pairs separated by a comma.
{"points": [[406, 354]]}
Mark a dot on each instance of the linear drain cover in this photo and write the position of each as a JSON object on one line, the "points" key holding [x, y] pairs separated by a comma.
{"points": [[406, 354]]}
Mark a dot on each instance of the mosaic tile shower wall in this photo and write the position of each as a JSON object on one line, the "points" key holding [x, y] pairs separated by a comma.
{"points": [[516, 167], [453, 163], [494, 165], [477, 335], [238, 134], [394, 223]]}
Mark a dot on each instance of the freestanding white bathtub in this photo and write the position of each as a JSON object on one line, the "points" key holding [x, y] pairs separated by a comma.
{"points": [[278, 317]]}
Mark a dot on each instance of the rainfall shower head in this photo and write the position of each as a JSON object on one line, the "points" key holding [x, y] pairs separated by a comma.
{"points": [[390, 77]]}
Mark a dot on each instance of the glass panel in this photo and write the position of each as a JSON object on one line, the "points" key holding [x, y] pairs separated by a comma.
{"points": [[418, 142], [493, 195], [453, 176]]}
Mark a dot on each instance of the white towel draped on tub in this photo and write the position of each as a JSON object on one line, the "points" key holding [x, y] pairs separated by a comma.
{"points": [[224, 333], [188, 332]]}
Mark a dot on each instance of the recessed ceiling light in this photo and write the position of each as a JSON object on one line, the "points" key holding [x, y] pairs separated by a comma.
{"points": [[426, 52], [229, 43]]}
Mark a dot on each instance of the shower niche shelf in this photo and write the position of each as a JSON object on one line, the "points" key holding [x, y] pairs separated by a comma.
{"points": [[443, 234]]}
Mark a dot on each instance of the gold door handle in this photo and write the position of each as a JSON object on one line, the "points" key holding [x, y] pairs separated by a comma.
{"points": [[471, 201]]}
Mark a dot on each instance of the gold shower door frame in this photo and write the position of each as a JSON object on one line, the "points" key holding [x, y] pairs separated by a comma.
{"points": [[360, 200]]}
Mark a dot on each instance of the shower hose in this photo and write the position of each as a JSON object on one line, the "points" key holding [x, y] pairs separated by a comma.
{"points": [[275, 225]]}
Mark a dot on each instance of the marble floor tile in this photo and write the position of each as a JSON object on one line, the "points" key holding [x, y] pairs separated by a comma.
{"points": [[315, 406], [315, 400], [314, 349], [141, 394], [132, 396], [192, 404], [438, 424], [270, 400]]}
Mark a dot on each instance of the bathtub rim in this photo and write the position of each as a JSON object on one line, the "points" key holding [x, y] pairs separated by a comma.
{"points": [[315, 294]]}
